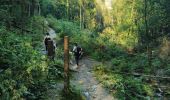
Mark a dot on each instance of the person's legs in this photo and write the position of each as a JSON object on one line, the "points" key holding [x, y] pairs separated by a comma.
{"points": [[52, 57], [77, 60], [46, 48]]}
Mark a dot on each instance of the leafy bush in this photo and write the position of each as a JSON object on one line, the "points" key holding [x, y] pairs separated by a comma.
{"points": [[63, 27], [122, 86], [21, 65], [55, 70]]}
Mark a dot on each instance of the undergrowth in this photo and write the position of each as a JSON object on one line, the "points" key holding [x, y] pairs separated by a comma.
{"points": [[122, 86], [25, 71], [75, 94]]}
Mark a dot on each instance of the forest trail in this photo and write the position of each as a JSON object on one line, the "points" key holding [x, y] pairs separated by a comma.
{"points": [[82, 78], [88, 84]]}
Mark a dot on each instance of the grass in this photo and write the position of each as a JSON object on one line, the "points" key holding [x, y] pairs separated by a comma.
{"points": [[122, 86]]}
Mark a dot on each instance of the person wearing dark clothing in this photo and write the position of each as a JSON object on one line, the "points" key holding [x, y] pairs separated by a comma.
{"points": [[77, 52], [51, 49], [49, 46], [47, 37]]}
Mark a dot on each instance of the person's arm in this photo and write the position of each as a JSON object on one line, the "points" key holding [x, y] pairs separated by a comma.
{"points": [[54, 43], [80, 50], [74, 48], [44, 39]]}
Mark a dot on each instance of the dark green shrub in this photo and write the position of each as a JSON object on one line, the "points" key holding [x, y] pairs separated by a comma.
{"points": [[22, 64]]}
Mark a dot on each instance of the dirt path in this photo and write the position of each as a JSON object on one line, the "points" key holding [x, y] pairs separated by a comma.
{"points": [[85, 79]]}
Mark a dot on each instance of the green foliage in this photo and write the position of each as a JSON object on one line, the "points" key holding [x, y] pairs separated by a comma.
{"points": [[75, 94], [121, 86], [105, 77], [116, 33], [22, 65], [135, 89], [6, 18], [94, 46], [55, 70], [63, 27], [134, 63], [56, 8]]}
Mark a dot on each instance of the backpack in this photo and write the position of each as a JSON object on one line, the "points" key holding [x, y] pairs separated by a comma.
{"points": [[46, 40], [77, 50]]}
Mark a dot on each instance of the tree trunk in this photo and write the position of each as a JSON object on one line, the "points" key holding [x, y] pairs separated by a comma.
{"points": [[82, 24], [22, 16], [148, 39], [29, 9], [39, 9], [80, 16], [32, 8], [67, 9]]}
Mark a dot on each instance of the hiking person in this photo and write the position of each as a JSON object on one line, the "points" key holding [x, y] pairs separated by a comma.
{"points": [[47, 37], [49, 46], [77, 52], [51, 49]]}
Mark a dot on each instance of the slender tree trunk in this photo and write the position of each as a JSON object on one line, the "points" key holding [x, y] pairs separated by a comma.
{"points": [[33, 8], [147, 34], [82, 22], [29, 9], [83, 13], [80, 17], [39, 9], [132, 10], [22, 16], [67, 10], [70, 16], [10, 7], [10, 4], [132, 15]]}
